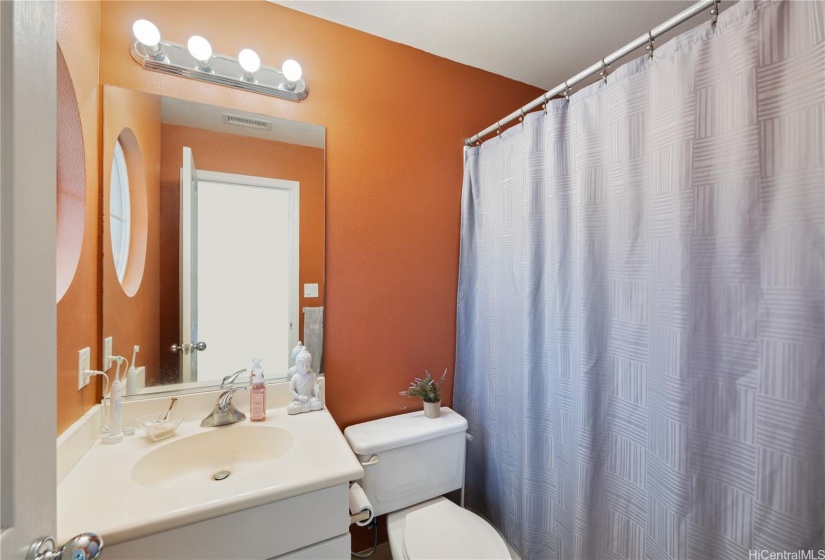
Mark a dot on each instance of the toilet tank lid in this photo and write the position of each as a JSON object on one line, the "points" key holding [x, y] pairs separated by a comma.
{"points": [[405, 429]]}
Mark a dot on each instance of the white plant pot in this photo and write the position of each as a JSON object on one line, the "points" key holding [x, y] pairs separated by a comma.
{"points": [[432, 409]]}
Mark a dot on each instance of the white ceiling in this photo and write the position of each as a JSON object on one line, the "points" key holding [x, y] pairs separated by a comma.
{"points": [[210, 117], [541, 43]]}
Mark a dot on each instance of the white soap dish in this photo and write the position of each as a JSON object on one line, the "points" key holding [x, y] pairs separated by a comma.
{"points": [[156, 428]]}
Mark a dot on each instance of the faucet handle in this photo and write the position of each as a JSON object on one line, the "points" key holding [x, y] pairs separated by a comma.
{"points": [[230, 379], [225, 398]]}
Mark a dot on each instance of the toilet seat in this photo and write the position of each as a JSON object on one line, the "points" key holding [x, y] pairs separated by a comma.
{"points": [[439, 529]]}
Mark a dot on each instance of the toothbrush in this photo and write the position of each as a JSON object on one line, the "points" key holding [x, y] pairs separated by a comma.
{"points": [[115, 434], [135, 350], [131, 375]]}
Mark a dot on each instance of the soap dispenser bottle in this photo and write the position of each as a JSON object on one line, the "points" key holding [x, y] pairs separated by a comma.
{"points": [[257, 394]]}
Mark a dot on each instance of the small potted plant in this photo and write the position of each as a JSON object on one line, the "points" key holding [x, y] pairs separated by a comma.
{"points": [[429, 390]]}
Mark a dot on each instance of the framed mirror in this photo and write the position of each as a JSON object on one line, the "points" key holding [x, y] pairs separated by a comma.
{"points": [[213, 240]]}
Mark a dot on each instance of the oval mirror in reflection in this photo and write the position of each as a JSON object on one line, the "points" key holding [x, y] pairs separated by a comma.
{"points": [[120, 212], [128, 212]]}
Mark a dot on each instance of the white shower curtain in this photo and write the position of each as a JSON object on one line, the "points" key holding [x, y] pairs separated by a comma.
{"points": [[641, 309]]}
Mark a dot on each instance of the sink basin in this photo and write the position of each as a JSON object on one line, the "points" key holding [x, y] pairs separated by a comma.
{"points": [[212, 457]]}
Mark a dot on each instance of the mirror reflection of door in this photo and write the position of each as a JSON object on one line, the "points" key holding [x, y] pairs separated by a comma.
{"points": [[239, 236]]}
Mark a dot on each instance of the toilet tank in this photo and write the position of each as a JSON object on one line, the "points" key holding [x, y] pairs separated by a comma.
{"points": [[410, 458]]}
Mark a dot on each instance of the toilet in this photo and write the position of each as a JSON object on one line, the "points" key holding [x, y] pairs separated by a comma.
{"points": [[410, 461]]}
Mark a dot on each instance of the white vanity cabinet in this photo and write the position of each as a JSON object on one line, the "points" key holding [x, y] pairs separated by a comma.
{"points": [[287, 495], [313, 525]]}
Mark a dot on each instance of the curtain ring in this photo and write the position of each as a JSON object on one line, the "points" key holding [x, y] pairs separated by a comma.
{"points": [[545, 103], [521, 118], [650, 44], [714, 13], [604, 71], [498, 131], [567, 91]]}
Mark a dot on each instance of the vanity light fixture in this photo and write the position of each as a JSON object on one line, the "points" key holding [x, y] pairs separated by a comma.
{"points": [[292, 72], [250, 62], [148, 35], [196, 60], [201, 50]]}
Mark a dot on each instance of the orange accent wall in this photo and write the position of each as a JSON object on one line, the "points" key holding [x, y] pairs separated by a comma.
{"points": [[231, 153], [133, 319], [395, 118], [78, 311]]}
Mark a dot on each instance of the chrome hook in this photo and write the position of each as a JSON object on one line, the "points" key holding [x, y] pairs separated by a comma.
{"points": [[714, 13], [545, 103], [521, 118], [650, 46], [604, 72], [567, 91], [498, 131]]}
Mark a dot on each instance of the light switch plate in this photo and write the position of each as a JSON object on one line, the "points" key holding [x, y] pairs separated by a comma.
{"points": [[84, 362], [310, 290]]}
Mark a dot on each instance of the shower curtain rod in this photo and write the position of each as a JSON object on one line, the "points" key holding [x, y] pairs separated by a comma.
{"points": [[603, 64]]}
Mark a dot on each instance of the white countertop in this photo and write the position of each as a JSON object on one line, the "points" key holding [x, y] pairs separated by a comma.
{"points": [[99, 494]]}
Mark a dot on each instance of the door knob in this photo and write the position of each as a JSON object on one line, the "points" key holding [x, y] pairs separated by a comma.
{"points": [[83, 547], [175, 348], [199, 346]]}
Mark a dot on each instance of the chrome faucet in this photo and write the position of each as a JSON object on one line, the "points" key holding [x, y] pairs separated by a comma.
{"points": [[225, 412], [230, 379]]}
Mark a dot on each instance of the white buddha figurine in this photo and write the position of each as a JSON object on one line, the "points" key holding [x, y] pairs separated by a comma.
{"points": [[304, 386], [295, 352]]}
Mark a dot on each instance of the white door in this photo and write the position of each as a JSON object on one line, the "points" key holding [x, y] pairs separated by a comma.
{"points": [[187, 196], [28, 343], [239, 271], [27, 284]]}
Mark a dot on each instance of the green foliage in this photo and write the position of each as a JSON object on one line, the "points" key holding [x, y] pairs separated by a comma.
{"points": [[428, 388]]}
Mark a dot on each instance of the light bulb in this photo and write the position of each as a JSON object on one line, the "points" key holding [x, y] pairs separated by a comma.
{"points": [[249, 61], [291, 70], [200, 49], [147, 33]]}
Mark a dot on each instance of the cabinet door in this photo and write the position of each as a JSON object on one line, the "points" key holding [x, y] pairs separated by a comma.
{"points": [[261, 532], [332, 549]]}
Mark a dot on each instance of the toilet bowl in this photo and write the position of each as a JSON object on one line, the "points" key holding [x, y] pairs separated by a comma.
{"points": [[439, 529], [410, 461]]}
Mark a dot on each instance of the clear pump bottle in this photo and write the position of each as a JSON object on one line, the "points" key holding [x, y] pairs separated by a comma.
{"points": [[257, 394]]}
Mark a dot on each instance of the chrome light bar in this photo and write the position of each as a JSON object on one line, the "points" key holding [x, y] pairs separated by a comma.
{"points": [[173, 58]]}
